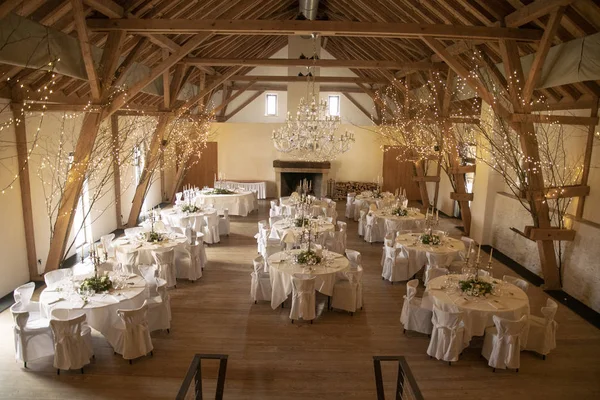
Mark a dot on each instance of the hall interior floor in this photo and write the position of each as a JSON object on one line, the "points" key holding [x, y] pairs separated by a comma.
{"points": [[270, 358]]}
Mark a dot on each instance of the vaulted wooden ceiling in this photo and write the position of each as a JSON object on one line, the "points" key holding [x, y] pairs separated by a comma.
{"points": [[581, 18]]}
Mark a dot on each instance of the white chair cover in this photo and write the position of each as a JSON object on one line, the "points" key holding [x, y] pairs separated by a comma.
{"points": [[542, 330], [414, 317], [521, 283], [131, 336], [274, 219], [165, 259], [434, 272], [159, 301], [372, 229], [440, 260], [274, 203], [502, 343], [71, 350], [354, 257], [347, 293], [262, 236], [350, 205], [273, 246], [53, 277], [395, 266], [275, 211], [23, 295], [224, 223], [131, 233], [128, 260], [303, 297], [189, 262], [106, 241], [211, 228], [447, 335], [362, 221], [260, 285], [468, 242], [33, 338]]}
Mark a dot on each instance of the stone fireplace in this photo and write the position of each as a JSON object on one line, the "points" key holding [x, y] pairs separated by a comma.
{"points": [[289, 174]]}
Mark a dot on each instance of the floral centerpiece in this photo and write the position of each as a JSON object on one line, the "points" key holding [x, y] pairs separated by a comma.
{"points": [[400, 211], [295, 197], [429, 238], [476, 287], [190, 208], [97, 284], [152, 237], [308, 257], [301, 221], [221, 191]]}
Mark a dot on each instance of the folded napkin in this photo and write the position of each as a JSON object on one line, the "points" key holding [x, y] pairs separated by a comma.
{"points": [[496, 304], [55, 301]]}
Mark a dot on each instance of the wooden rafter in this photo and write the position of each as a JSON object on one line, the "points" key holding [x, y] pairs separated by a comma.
{"points": [[242, 106], [86, 49], [360, 107], [221, 107], [337, 63]]}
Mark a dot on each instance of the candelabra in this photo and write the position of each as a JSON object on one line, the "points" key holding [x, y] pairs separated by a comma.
{"points": [[95, 259]]}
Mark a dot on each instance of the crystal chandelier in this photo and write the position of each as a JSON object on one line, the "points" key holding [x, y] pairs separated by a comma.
{"points": [[310, 135]]}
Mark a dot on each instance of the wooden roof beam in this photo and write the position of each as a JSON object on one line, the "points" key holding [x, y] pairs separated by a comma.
{"points": [[325, 28], [534, 10], [321, 79], [281, 62]]}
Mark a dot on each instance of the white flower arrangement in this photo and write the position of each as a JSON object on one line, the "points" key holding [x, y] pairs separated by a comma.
{"points": [[430, 239]]}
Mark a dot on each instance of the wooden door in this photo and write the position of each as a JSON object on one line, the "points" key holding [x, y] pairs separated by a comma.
{"points": [[204, 167], [397, 174]]}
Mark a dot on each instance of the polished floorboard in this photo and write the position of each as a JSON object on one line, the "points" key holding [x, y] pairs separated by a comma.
{"points": [[270, 358]]}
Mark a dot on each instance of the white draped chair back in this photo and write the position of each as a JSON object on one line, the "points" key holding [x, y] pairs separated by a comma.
{"points": [[274, 219], [354, 257], [131, 233], [260, 284], [275, 211], [131, 338], [53, 277], [502, 342], [350, 205], [348, 293], [439, 260], [262, 236], [392, 226], [370, 229], [23, 295], [447, 336], [388, 241], [165, 259], [128, 260], [189, 261], [542, 330], [106, 241], [86, 331], [274, 203], [71, 350], [33, 338], [362, 221], [434, 272], [521, 283], [303, 297], [395, 266], [150, 273], [413, 316], [468, 242], [159, 301], [224, 223], [211, 228], [196, 223], [273, 246]]}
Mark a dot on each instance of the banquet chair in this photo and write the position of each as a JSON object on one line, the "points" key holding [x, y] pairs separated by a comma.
{"points": [[521, 283], [434, 272], [127, 259], [468, 242], [272, 246], [371, 228], [447, 336], [23, 294], [33, 338], [195, 222], [303, 297], [542, 330], [440, 260], [274, 203], [53, 277], [106, 243], [348, 293], [502, 342], [414, 317], [211, 228], [262, 236], [71, 350], [354, 257], [392, 226], [334, 241], [388, 240], [131, 335], [224, 223], [362, 221], [159, 301], [395, 266], [274, 219], [188, 261], [133, 232], [165, 260], [275, 211], [350, 205], [86, 331], [343, 227], [260, 285]]}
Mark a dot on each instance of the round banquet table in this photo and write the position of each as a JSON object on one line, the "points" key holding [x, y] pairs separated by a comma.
{"points": [[282, 268], [101, 309], [145, 249], [413, 222], [284, 225], [240, 204], [418, 252], [508, 301], [173, 216], [360, 199]]}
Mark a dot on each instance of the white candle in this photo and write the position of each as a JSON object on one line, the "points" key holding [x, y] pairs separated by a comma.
{"points": [[491, 252], [469, 252], [478, 252], [437, 214]]}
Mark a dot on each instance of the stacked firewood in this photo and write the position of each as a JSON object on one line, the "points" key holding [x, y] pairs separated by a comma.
{"points": [[343, 188]]}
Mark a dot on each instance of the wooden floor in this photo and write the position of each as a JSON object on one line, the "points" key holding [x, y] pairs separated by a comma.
{"points": [[269, 358]]}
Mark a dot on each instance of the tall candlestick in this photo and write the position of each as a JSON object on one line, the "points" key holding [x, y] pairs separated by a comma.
{"points": [[478, 252], [491, 252], [437, 214]]}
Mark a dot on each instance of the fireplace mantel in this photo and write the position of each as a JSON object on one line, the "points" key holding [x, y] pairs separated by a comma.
{"points": [[285, 164]]}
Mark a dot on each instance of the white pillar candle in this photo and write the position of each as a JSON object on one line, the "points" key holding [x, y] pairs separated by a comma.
{"points": [[478, 252], [491, 252]]}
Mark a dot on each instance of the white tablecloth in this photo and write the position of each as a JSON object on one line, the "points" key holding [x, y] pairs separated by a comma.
{"points": [[409, 222], [259, 187], [144, 249], [418, 252], [101, 309], [509, 302], [238, 204], [173, 216], [281, 271], [284, 225]]}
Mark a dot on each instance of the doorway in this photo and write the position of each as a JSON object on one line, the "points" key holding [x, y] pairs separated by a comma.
{"points": [[205, 167], [399, 174]]}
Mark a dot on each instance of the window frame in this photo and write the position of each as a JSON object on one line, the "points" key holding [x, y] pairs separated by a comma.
{"points": [[267, 95], [339, 105]]}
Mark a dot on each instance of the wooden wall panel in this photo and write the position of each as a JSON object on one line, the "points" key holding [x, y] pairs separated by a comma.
{"points": [[398, 174], [202, 172]]}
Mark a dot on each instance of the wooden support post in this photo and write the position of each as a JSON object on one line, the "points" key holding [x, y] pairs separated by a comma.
{"points": [[587, 157], [72, 190], [152, 158], [114, 126], [23, 165], [420, 178], [178, 180]]}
